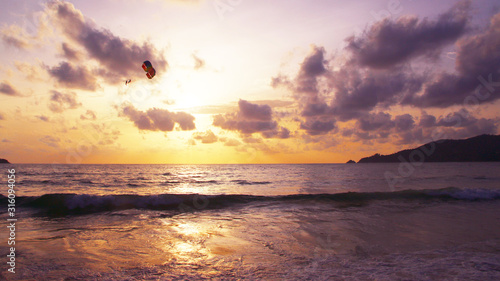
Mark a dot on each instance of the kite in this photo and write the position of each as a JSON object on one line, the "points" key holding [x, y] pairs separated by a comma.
{"points": [[148, 67], [150, 71]]}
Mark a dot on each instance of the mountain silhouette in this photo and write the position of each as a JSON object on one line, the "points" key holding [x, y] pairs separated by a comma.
{"points": [[483, 148]]}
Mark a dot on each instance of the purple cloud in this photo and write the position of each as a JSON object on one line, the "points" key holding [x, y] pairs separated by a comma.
{"points": [[89, 115], [156, 119], [231, 142], [404, 122], [50, 141], [16, 37], [60, 102], [359, 92], [77, 77], [378, 121], [118, 57], [251, 118], [427, 120], [476, 79], [388, 42], [317, 127], [250, 111], [43, 118], [206, 137], [376, 77], [69, 53], [7, 89]]}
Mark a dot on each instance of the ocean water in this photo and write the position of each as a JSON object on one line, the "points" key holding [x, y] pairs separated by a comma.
{"points": [[435, 221]]}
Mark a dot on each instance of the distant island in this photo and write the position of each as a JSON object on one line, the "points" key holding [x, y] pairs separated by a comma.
{"points": [[4, 161], [483, 148], [351, 162]]}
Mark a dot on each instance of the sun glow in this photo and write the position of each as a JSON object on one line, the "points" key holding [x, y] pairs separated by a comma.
{"points": [[182, 91]]}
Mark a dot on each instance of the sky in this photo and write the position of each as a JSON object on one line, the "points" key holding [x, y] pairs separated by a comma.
{"points": [[240, 81]]}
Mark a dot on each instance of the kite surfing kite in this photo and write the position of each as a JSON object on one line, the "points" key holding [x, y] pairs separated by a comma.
{"points": [[150, 71], [148, 67]]}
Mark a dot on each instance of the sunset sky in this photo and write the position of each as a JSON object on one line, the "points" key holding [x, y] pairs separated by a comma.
{"points": [[242, 81]]}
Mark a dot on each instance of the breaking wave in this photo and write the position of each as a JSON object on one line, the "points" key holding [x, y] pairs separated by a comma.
{"points": [[75, 204]]}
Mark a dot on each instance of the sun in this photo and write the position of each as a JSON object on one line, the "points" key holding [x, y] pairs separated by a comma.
{"points": [[186, 89]]}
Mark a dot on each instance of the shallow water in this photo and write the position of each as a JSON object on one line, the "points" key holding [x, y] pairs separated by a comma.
{"points": [[271, 222]]}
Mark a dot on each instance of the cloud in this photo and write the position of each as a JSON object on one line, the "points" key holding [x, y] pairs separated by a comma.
{"points": [[306, 82], [185, 1], [7, 89], [89, 115], [77, 77], [353, 91], [30, 34], [16, 37], [104, 134], [206, 137], [185, 120], [311, 68], [317, 127], [458, 119], [306, 87], [229, 122], [427, 120], [231, 142], [60, 102], [1, 116], [377, 121], [374, 75], [198, 63], [281, 133], [483, 126], [462, 124], [404, 122], [156, 119], [372, 126], [252, 140], [50, 141], [43, 118], [69, 53], [455, 125], [251, 118], [477, 73], [388, 42], [381, 127], [31, 72], [250, 111], [359, 92], [118, 57], [281, 80]]}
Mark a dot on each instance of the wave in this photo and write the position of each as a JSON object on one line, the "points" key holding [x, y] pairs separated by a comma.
{"points": [[44, 182], [245, 182], [191, 181], [73, 204], [202, 181], [87, 181], [170, 182]]}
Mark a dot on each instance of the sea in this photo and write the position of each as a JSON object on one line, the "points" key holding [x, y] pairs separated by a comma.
{"points": [[394, 221]]}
